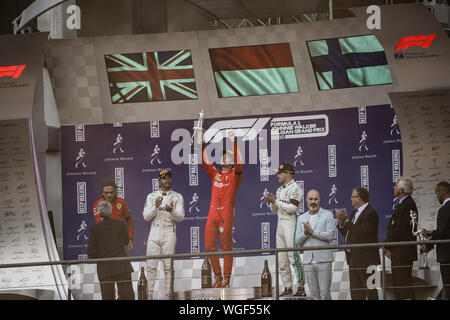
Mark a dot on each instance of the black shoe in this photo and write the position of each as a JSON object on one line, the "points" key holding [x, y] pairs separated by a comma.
{"points": [[286, 292], [300, 293]]}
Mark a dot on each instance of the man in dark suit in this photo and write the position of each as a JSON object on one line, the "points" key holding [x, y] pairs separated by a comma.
{"points": [[442, 232], [400, 229], [360, 227], [108, 239]]}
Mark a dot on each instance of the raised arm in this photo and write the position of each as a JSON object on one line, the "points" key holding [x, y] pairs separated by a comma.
{"points": [[238, 163], [207, 163]]}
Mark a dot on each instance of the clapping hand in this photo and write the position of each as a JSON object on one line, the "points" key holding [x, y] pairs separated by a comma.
{"points": [[169, 207], [270, 198], [158, 201], [308, 230], [341, 216]]}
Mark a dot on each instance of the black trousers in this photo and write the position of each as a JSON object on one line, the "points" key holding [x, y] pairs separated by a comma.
{"points": [[402, 279], [358, 284], [124, 286], [445, 274]]}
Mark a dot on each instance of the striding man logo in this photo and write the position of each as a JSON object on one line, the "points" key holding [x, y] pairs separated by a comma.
{"points": [[118, 144], [363, 141], [298, 157], [155, 155], [82, 230], [394, 126], [80, 159], [332, 195], [193, 205], [263, 200]]}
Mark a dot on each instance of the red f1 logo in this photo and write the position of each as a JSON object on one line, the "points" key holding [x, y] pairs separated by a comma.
{"points": [[415, 41], [12, 71]]}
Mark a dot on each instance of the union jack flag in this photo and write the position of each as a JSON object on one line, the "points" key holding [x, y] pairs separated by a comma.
{"points": [[151, 76]]}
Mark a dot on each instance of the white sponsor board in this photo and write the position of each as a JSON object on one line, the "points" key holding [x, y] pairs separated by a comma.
{"points": [[332, 169], [395, 165], [79, 133], [265, 235], [155, 185], [195, 239], [119, 177], [193, 169], [299, 127], [365, 176], [362, 115], [154, 129], [81, 197], [264, 165]]}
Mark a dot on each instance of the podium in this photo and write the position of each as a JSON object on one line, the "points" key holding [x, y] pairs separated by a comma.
{"points": [[229, 294]]}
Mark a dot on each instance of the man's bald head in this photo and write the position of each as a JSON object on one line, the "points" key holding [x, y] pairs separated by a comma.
{"points": [[313, 193], [313, 201]]}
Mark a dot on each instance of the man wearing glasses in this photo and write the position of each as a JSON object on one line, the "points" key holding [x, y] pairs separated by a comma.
{"points": [[360, 228]]}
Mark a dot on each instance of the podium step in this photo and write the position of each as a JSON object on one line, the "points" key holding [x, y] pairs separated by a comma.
{"points": [[228, 294]]}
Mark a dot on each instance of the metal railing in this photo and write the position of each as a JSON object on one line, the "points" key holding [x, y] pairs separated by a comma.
{"points": [[274, 251]]}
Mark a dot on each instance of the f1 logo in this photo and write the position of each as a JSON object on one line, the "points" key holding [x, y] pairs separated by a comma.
{"points": [[12, 71], [415, 41]]}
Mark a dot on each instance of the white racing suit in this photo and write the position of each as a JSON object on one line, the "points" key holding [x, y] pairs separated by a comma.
{"points": [[288, 198], [162, 236]]}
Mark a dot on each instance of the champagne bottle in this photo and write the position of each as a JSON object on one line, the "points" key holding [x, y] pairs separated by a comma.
{"points": [[206, 274], [266, 281], [142, 286]]}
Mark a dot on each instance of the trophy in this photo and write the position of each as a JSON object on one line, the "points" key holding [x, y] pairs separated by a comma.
{"points": [[418, 233], [197, 136]]}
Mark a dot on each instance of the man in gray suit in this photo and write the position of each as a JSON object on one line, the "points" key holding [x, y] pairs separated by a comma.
{"points": [[316, 227]]}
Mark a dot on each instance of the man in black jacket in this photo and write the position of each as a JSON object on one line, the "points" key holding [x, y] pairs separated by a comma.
{"points": [[442, 232], [360, 228], [400, 229], [108, 239]]}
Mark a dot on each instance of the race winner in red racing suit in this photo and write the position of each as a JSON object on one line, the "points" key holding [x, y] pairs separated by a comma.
{"points": [[225, 183]]}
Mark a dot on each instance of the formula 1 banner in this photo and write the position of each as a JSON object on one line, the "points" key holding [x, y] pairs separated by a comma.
{"points": [[332, 151]]}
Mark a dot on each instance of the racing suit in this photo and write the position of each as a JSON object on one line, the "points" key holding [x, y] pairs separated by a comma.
{"points": [[221, 211], [288, 198], [120, 212], [162, 236]]}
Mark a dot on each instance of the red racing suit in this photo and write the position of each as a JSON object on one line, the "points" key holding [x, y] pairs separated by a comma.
{"points": [[221, 210], [120, 212]]}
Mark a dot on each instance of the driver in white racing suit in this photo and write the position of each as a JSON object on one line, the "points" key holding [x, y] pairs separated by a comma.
{"points": [[165, 207], [285, 204]]}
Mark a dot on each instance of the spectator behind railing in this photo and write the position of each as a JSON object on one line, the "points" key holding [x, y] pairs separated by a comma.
{"points": [[361, 227], [316, 227], [399, 229], [442, 232], [107, 239]]}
